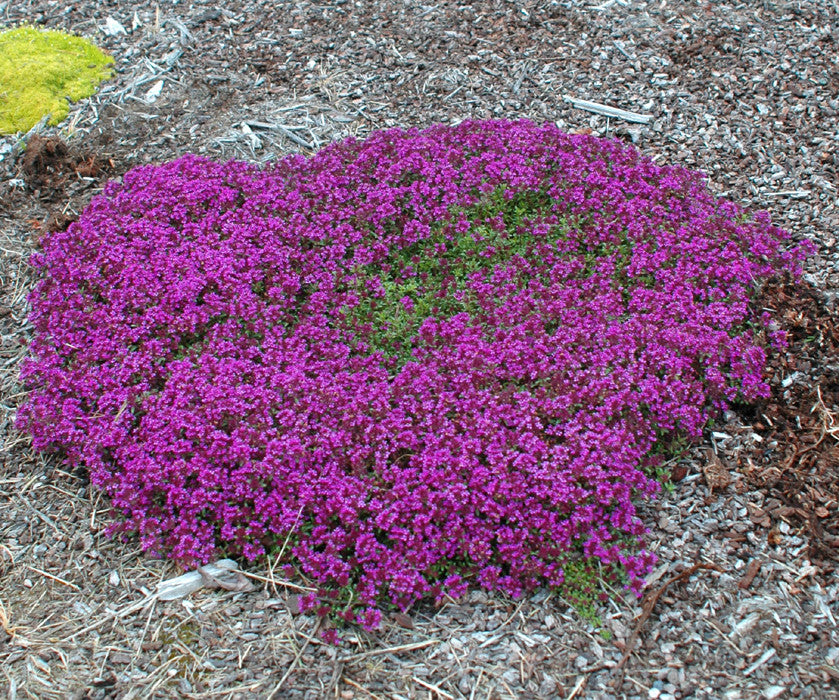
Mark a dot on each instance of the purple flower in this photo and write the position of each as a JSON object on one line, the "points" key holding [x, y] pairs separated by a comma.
{"points": [[424, 360]]}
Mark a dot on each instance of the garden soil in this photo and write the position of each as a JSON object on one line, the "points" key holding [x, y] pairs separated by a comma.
{"points": [[745, 600]]}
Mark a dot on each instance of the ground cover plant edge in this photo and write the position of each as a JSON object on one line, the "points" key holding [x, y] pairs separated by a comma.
{"points": [[237, 354]]}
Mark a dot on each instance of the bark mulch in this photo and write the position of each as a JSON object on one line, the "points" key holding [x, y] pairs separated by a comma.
{"points": [[745, 600]]}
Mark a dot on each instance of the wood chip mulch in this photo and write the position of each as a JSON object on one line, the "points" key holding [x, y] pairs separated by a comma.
{"points": [[745, 600]]}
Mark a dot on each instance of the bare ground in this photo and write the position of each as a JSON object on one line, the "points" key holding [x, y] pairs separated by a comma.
{"points": [[745, 601]]}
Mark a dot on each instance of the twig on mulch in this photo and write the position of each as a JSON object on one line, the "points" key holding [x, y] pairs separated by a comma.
{"points": [[350, 681], [391, 650], [609, 111], [577, 688], [751, 572], [649, 603], [296, 660]]}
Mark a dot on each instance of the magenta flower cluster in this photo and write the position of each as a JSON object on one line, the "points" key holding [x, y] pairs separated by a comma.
{"points": [[212, 343]]}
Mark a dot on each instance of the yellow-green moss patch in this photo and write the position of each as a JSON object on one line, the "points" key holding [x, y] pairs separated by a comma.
{"points": [[40, 70]]}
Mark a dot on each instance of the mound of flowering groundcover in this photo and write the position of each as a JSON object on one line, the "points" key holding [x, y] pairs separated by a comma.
{"points": [[410, 364]]}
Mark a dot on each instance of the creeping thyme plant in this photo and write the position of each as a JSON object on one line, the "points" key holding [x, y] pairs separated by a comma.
{"points": [[415, 363]]}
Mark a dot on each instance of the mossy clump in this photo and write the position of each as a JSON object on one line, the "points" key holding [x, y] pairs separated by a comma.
{"points": [[40, 70]]}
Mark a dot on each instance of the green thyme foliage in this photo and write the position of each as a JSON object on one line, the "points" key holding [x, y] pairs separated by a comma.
{"points": [[430, 278], [583, 588]]}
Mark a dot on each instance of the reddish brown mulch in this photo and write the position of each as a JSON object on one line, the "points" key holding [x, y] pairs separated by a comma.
{"points": [[799, 424], [48, 162]]}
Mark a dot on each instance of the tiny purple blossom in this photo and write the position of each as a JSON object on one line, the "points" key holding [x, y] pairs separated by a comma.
{"points": [[209, 344]]}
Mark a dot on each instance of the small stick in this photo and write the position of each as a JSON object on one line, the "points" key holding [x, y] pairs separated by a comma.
{"points": [[647, 610], [768, 654], [433, 688], [577, 688], [724, 636], [276, 581], [284, 130], [608, 111], [49, 521], [751, 572], [294, 663], [350, 681], [337, 672], [272, 566], [54, 578], [794, 194], [391, 650], [116, 616], [291, 136], [622, 50], [477, 683], [4, 621]]}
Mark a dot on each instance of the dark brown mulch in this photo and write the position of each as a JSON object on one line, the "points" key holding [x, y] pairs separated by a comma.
{"points": [[48, 162], [801, 471]]}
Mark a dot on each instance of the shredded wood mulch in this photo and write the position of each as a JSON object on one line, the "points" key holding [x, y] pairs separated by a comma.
{"points": [[745, 600], [803, 482]]}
